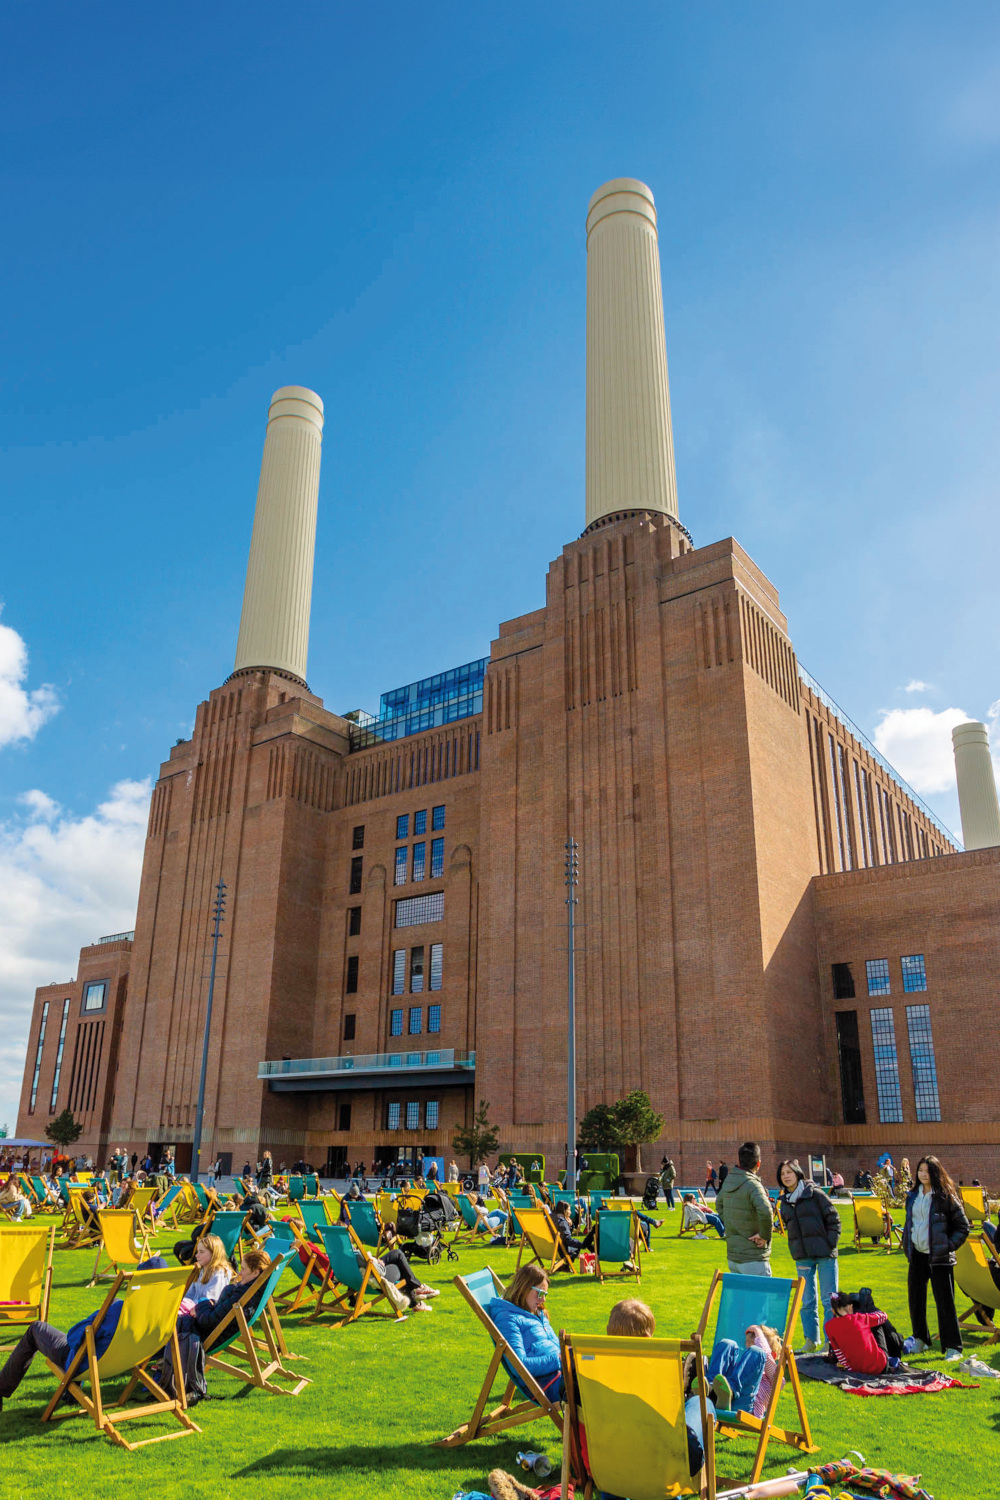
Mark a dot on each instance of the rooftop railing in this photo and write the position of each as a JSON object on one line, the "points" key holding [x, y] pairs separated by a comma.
{"points": [[368, 1063], [118, 937]]}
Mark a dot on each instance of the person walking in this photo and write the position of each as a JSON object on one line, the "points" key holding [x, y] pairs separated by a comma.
{"points": [[484, 1178], [723, 1173], [935, 1227], [217, 1170], [668, 1176], [711, 1181], [813, 1228], [745, 1210]]}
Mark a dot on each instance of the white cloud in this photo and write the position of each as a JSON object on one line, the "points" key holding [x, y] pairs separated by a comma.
{"points": [[22, 713], [917, 741], [916, 686], [64, 881]]}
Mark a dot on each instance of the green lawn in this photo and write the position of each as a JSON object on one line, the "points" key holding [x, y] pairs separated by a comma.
{"points": [[382, 1393]]}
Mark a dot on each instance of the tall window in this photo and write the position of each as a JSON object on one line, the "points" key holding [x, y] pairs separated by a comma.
{"points": [[396, 1023], [403, 826], [845, 793], [392, 1117], [419, 861], [414, 910], [437, 858], [914, 973], [431, 1113], [357, 865], [877, 970], [437, 965], [353, 921], [419, 822], [417, 970], [843, 982], [437, 819], [38, 1056], [344, 1122], [358, 841], [890, 1103], [413, 1115], [922, 1061], [351, 987], [416, 1025], [402, 861], [434, 1019], [852, 1088], [349, 1027], [398, 971], [59, 1057]]}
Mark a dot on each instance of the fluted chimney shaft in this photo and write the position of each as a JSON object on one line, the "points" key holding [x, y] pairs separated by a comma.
{"points": [[274, 626], [630, 444], [977, 787]]}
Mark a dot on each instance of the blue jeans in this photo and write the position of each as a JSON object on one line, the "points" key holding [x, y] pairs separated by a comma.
{"points": [[716, 1224], [826, 1270], [741, 1367]]}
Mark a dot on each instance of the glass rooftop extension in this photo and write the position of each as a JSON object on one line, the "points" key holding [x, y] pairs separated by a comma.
{"points": [[426, 704]]}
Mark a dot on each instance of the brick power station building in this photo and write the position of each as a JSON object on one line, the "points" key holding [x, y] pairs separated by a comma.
{"points": [[778, 939]]}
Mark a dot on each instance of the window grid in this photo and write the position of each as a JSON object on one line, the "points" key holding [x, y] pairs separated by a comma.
{"points": [[914, 973], [351, 987], [402, 863], [416, 909], [416, 1021], [431, 1114], [437, 965], [412, 1114], [420, 822], [417, 970], [57, 1074], [396, 1023], [434, 1019], [392, 1117], [923, 1062], [877, 970], [419, 861], [403, 826], [38, 1057], [358, 840], [437, 858], [890, 1103], [354, 921], [398, 971], [357, 866], [437, 819]]}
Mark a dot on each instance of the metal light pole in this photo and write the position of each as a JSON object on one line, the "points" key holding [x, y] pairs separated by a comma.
{"points": [[572, 880], [218, 912]]}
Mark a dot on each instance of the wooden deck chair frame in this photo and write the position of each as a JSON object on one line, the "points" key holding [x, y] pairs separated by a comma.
{"points": [[106, 1418], [347, 1301], [294, 1298], [114, 1266], [558, 1259], [16, 1315], [988, 1310], [765, 1426], [635, 1239], [248, 1345], [889, 1228], [573, 1466], [509, 1413], [81, 1234]]}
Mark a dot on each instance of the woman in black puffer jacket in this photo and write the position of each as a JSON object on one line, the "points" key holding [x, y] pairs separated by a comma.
{"points": [[813, 1228], [935, 1228]]}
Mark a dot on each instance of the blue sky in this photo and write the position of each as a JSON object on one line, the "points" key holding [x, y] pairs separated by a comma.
{"points": [[387, 203]]}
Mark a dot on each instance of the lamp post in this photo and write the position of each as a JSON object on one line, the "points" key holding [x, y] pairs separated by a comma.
{"points": [[572, 881], [218, 912]]}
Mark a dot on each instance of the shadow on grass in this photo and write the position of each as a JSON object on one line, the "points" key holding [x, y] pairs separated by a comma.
{"points": [[423, 1457]]}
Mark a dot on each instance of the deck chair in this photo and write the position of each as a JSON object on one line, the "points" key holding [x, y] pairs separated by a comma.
{"points": [[974, 1203], [331, 1206], [42, 1195], [80, 1224], [760, 1299], [388, 1208], [296, 1189], [228, 1225], [247, 1332], [774, 1195], [119, 1244], [542, 1237], [312, 1216], [873, 1221], [618, 1244], [474, 1222], [972, 1272], [697, 1193], [169, 1206], [366, 1229], [25, 1273], [148, 1322], [142, 1201], [523, 1400], [311, 1182], [346, 1283], [628, 1394]]}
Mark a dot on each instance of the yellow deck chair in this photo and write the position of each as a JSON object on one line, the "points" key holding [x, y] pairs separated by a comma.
{"points": [[775, 1301], [540, 1236], [872, 1221], [148, 1322], [80, 1228], [119, 1244], [628, 1396], [523, 1400], [25, 1273], [142, 1202], [972, 1272], [388, 1208], [974, 1203]]}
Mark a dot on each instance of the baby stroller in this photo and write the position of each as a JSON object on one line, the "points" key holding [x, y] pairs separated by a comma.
{"points": [[650, 1194], [424, 1227]]}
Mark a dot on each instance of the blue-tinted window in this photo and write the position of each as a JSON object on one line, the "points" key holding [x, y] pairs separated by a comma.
{"points": [[398, 971], [59, 1057], [402, 860], [417, 970], [396, 1023], [403, 826], [412, 1115], [420, 822], [890, 1103], [914, 975], [417, 909], [437, 858], [431, 1113], [419, 861], [94, 995], [437, 819], [416, 1020], [922, 1062], [437, 964], [38, 1056], [434, 1019], [878, 976], [392, 1117]]}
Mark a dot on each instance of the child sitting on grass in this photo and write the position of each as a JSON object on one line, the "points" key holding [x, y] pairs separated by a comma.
{"points": [[862, 1341], [743, 1379], [633, 1319]]}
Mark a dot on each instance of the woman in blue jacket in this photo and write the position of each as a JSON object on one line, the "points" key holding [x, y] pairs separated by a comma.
{"points": [[520, 1316]]}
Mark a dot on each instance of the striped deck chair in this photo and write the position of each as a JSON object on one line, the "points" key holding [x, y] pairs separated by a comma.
{"points": [[124, 1243], [253, 1328], [346, 1282], [540, 1235], [147, 1323], [618, 1244], [25, 1273], [628, 1395], [973, 1262], [760, 1299], [523, 1400]]}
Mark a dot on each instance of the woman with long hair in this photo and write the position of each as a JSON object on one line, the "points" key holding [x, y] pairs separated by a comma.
{"points": [[813, 1228], [521, 1317], [935, 1228], [214, 1270]]}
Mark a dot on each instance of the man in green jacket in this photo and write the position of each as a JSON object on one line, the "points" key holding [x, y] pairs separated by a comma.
{"points": [[668, 1176], [745, 1210]]}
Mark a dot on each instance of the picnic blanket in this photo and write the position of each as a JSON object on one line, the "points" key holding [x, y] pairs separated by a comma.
{"points": [[903, 1382], [871, 1481]]}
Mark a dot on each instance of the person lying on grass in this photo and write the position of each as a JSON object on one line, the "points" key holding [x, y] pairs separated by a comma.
{"points": [[864, 1342]]}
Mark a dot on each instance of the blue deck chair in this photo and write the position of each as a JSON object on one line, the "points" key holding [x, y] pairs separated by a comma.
{"points": [[244, 1333], [364, 1221], [618, 1244], [166, 1209], [228, 1225], [346, 1282], [311, 1185], [473, 1227], [523, 1400], [773, 1300], [296, 1189]]}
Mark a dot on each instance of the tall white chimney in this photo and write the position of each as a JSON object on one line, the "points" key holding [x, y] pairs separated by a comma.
{"points": [[274, 626], [630, 443], [977, 787]]}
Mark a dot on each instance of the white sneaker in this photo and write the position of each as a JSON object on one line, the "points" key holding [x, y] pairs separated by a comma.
{"points": [[951, 1355], [914, 1346], [809, 1347], [701, 1236]]}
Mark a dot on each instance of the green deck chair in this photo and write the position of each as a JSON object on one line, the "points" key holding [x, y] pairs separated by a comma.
{"points": [[344, 1272], [296, 1189], [245, 1333], [365, 1224], [618, 1244], [228, 1225]]}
